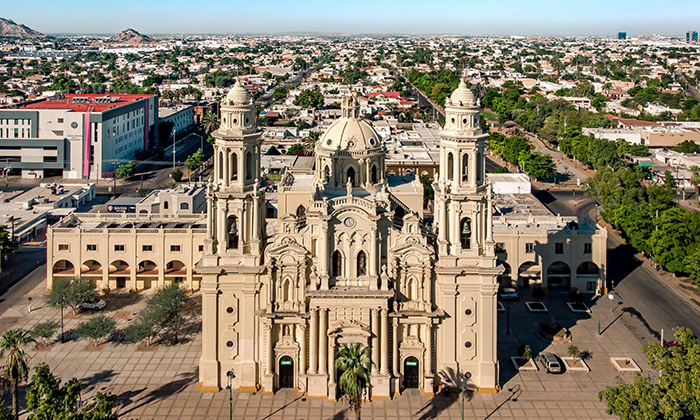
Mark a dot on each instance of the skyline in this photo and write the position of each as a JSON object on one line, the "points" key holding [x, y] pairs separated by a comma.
{"points": [[537, 17]]}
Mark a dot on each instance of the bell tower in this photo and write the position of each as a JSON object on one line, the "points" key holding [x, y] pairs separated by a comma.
{"points": [[237, 204], [466, 269], [232, 263]]}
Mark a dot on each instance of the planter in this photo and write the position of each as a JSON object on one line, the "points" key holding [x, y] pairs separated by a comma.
{"points": [[575, 365], [522, 365], [625, 364], [500, 307], [578, 307], [536, 307]]}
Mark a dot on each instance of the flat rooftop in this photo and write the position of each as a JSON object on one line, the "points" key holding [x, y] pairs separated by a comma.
{"points": [[86, 103]]}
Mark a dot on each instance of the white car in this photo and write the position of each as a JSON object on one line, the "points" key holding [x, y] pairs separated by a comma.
{"points": [[95, 305]]}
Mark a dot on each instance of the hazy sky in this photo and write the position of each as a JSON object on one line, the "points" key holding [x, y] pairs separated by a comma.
{"points": [[472, 17]]}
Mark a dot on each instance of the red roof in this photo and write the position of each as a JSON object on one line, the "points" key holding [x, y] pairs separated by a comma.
{"points": [[87, 105], [395, 95]]}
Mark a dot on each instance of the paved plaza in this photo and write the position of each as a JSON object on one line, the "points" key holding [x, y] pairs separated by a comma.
{"points": [[160, 382]]}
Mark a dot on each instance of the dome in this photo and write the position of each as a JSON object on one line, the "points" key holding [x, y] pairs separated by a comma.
{"points": [[462, 96], [238, 95], [350, 132]]}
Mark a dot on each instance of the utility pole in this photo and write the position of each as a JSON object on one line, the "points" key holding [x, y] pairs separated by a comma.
{"points": [[173, 148]]}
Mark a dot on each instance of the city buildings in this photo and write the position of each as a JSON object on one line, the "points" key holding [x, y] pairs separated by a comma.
{"points": [[181, 116], [76, 136]]}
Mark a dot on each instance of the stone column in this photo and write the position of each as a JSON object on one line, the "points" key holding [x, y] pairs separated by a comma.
{"points": [[313, 342], [384, 365], [301, 339], [268, 349], [210, 212], [322, 342], [395, 348], [256, 218], [323, 255], [373, 258], [428, 365], [375, 340], [489, 216]]}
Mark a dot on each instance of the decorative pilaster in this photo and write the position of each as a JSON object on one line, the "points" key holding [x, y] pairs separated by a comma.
{"points": [[322, 342], [375, 340], [313, 342], [384, 365]]}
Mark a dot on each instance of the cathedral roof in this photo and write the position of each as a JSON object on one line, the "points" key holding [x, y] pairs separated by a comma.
{"points": [[462, 96], [350, 132], [238, 95]]}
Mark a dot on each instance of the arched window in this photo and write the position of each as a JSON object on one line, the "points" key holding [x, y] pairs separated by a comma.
{"points": [[234, 167], [221, 165], [465, 167], [184, 206], [361, 264], [337, 264], [165, 205], [286, 290], [399, 213], [351, 175], [248, 166], [450, 166], [410, 289], [301, 212], [479, 167], [373, 174], [326, 174], [232, 230], [465, 233]]}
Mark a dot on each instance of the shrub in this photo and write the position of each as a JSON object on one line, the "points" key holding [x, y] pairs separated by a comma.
{"points": [[96, 328], [45, 331]]}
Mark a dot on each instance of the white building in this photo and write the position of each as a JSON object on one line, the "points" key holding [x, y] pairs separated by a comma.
{"points": [[182, 117], [76, 136]]}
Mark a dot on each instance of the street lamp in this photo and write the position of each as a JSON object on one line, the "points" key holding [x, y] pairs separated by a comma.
{"points": [[463, 378], [230, 376], [62, 337]]}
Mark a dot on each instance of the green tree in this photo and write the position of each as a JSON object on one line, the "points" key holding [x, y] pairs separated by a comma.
{"points": [[695, 180], [176, 175], [354, 362], [48, 399], [210, 122], [96, 328], [525, 352], [673, 395], [44, 331], [71, 292], [125, 171], [310, 142], [309, 98], [6, 242], [16, 364], [280, 93], [194, 161], [574, 352], [146, 326], [296, 149]]}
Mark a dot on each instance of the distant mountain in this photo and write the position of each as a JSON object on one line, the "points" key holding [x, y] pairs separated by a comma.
{"points": [[11, 29], [130, 35]]}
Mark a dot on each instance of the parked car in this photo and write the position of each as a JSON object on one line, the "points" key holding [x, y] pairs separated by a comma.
{"points": [[508, 293], [95, 305], [550, 362]]}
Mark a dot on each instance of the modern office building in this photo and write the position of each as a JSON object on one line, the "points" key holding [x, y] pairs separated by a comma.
{"points": [[76, 136], [622, 35]]}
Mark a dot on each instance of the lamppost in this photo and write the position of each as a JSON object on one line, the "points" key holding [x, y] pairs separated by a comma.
{"points": [[230, 376], [463, 378]]}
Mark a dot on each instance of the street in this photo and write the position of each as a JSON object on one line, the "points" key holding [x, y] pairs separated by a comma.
{"points": [[636, 285]]}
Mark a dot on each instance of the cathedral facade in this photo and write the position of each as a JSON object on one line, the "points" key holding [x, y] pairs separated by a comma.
{"points": [[348, 260]]}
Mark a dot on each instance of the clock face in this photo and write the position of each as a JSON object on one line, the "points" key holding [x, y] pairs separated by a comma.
{"points": [[349, 222]]}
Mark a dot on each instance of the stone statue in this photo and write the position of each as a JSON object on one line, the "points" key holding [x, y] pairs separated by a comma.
{"points": [[348, 186]]}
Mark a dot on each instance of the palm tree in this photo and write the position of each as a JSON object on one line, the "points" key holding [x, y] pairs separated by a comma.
{"points": [[695, 180], [310, 142], [525, 352], [355, 363], [16, 364], [210, 122], [574, 352]]}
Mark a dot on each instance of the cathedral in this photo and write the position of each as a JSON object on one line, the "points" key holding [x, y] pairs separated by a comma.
{"points": [[349, 259]]}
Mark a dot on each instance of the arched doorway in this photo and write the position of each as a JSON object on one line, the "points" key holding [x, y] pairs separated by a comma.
{"points": [[286, 372], [528, 274], [351, 176], [410, 373], [559, 275]]}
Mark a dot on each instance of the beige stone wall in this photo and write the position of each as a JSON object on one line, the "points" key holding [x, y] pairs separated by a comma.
{"points": [[513, 243], [134, 258]]}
